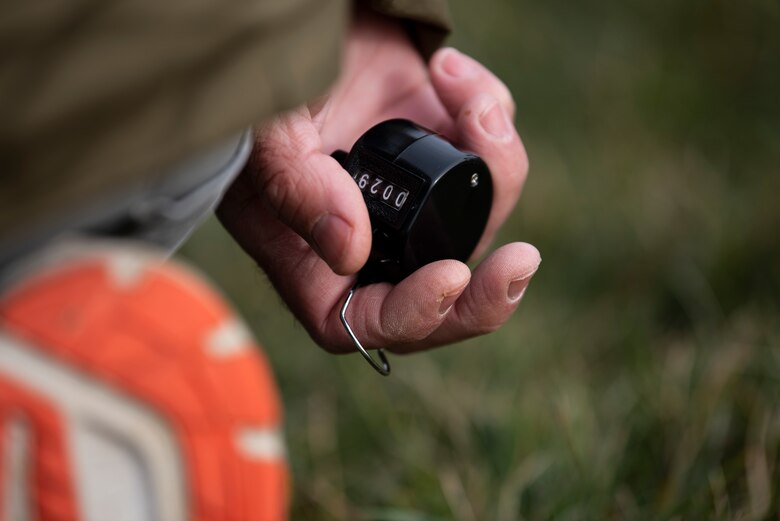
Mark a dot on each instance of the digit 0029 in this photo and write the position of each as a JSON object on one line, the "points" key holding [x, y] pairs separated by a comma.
{"points": [[380, 189]]}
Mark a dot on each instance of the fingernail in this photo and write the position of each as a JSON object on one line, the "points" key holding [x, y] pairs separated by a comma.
{"points": [[517, 288], [457, 65], [447, 303], [331, 235], [495, 121]]}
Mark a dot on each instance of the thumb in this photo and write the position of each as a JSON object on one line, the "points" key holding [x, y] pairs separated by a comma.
{"points": [[310, 192]]}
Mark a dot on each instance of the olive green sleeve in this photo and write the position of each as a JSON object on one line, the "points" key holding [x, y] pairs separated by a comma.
{"points": [[428, 21], [98, 97]]}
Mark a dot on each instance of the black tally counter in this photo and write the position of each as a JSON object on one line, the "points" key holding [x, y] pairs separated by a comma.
{"points": [[426, 199]]}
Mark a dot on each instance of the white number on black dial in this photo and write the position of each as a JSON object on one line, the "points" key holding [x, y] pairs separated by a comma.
{"points": [[382, 190]]}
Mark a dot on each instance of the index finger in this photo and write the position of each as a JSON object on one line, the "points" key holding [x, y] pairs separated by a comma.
{"points": [[482, 106]]}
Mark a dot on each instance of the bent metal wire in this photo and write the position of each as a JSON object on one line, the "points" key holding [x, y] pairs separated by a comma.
{"points": [[384, 367]]}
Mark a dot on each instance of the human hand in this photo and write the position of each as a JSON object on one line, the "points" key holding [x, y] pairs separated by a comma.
{"points": [[302, 218]]}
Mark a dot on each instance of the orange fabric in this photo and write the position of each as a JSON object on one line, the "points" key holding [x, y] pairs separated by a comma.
{"points": [[147, 338], [49, 476], [2, 461]]}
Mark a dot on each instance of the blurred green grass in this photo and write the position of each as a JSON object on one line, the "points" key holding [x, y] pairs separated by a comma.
{"points": [[640, 378]]}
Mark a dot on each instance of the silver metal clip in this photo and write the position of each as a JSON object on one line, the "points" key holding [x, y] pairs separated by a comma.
{"points": [[384, 368]]}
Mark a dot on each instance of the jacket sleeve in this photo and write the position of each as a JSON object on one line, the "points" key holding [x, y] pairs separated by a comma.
{"points": [[99, 96], [428, 21]]}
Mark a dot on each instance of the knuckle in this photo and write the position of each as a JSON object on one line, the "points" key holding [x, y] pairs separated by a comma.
{"points": [[282, 149], [282, 191], [486, 326], [482, 318], [484, 323]]}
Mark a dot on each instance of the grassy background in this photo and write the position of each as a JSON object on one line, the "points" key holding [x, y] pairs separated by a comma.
{"points": [[640, 378]]}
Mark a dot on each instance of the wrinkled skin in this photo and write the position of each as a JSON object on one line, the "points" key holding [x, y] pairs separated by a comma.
{"points": [[302, 218]]}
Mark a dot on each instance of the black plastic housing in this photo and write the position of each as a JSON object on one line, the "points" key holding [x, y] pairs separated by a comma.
{"points": [[445, 197]]}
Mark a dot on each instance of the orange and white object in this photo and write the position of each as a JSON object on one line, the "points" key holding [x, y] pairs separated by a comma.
{"points": [[129, 391]]}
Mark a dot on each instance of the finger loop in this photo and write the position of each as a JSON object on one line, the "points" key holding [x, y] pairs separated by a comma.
{"points": [[384, 368]]}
